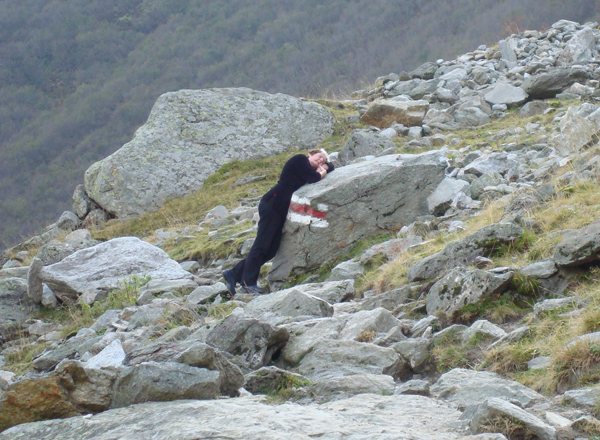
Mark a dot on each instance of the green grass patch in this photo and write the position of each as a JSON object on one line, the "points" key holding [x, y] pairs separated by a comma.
{"points": [[285, 389]]}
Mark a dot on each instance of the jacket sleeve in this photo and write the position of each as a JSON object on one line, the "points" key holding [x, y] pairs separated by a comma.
{"points": [[331, 167]]}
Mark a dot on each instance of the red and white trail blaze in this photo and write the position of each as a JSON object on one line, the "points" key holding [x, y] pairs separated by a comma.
{"points": [[301, 212]]}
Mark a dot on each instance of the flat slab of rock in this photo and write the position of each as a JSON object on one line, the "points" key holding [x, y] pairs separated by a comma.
{"points": [[346, 386], [534, 424], [190, 134], [249, 418], [354, 202], [106, 266], [469, 387]]}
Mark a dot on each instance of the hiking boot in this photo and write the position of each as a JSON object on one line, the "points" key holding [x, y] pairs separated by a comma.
{"points": [[253, 290], [230, 281]]}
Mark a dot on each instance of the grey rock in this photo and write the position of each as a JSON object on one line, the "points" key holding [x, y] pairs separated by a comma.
{"points": [[579, 49], [54, 251], [424, 71], [111, 356], [415, 387], [463, 252], [106, 266], [249, 418], [383, 113], [82, 204], [463, 286], [374, 321], [549, 84], [469, 387], [15, 307], [579, 247], [95, 219], [68, 221], [422, 324], [68, 350], [106, 319], [353, 215], [533, 108], [363, 143], [345, 386], [555, 303], [268, 380], [346, 270], [392, 249], [496, 406], [417, 351], [158, 286], [389, 300], [198, 354], [329, 291], [152, 381], [190, 134], [279, 306], [330, 358], [484, 329], [190, 266], [202, 294], [441, 199], [470, 116], [586, 398], [492, 163], [251, 342], [507, 50], [539, 363], [575, 132], [305, 339], [478, 186], [35, 288], [506, 94], [454, 331], [540, 269], [514, 336]]}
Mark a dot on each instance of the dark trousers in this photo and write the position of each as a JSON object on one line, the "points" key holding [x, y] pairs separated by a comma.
{"points": [[268, 238]]}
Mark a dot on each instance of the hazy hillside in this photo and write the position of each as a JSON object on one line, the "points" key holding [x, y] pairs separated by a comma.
{"points": [[77, 77]]}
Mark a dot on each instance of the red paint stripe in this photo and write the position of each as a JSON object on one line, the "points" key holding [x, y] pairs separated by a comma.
{"points": [[307, 210]]}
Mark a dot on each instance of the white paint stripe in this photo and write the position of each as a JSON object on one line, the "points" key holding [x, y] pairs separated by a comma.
{"points": [[300, 200], [307, 220], [322, 207]]}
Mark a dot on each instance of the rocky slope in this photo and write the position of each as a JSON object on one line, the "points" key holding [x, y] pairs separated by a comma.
{"points": [[448, 285]]}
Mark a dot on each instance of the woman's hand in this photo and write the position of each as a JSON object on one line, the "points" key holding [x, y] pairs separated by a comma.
{"points": [[322, 171]]}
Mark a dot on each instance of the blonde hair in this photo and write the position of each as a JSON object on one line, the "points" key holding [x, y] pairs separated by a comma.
{"points": [[319, 150]]}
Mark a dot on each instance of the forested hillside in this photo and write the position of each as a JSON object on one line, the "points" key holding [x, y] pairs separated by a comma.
{"points": [[77, 77]]}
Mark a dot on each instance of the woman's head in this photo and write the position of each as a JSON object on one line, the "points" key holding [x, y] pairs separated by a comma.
{"points": [[317, 157]]}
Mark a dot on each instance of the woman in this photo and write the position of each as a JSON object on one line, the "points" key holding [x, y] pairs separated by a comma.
{"points": [[272, 209]]}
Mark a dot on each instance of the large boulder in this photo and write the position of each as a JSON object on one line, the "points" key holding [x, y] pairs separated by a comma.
{"points": [[352, 203], [549, 84], [190, 134], [463, 252], [250, 418], [99, 269], [383, 113]]}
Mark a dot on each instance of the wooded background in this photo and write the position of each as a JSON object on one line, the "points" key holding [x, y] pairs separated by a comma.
{"points": [[78, 77]]}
